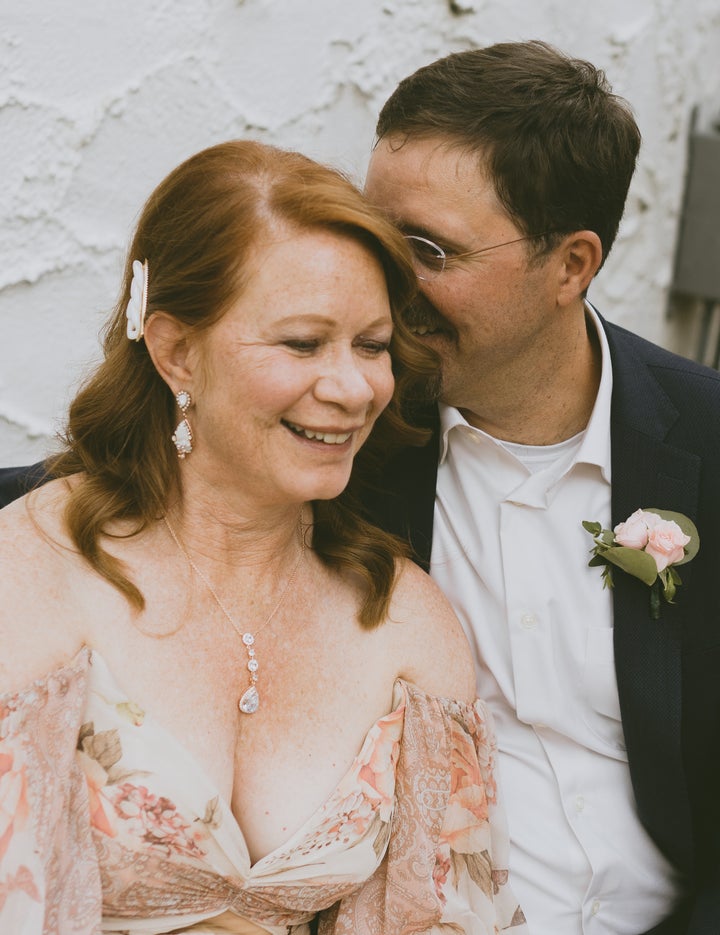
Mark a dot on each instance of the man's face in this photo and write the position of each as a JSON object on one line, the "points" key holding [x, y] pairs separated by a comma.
{"points": [[488, 315]]}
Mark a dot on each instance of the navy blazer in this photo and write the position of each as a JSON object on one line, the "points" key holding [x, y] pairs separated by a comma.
{"points": [[665, 430], [665, 439]]}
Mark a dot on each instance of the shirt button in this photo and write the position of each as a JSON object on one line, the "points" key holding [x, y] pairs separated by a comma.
{"points": [[528, 621], [595, 908], [579, 803]]}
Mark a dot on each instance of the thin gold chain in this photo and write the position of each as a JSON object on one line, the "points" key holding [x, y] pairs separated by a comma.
{"points": [[250, 700]]}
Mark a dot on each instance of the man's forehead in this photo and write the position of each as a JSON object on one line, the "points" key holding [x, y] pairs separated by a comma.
{"points": [[430, 156], [421, 183]]}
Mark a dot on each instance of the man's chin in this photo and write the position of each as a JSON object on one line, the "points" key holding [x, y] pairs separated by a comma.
{"points": [[442, 343]]}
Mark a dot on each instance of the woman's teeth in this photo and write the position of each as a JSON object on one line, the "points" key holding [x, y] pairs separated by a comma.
{"points": [[329, 438]]}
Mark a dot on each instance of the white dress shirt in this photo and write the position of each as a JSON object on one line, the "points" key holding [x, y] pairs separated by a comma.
{"points": [[510, 552]]}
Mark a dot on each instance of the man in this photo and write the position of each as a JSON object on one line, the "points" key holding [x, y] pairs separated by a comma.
{"points": [[508, 168]]}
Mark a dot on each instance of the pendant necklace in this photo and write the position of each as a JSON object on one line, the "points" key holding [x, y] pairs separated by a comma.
{"points": [[250, 700]]}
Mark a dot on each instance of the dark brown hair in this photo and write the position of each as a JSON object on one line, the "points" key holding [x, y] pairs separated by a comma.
{"points": [[196, 231], [559, 146]]}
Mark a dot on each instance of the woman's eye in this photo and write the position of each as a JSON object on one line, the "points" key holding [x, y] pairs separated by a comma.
{"points": [[374, 347], [304, 346]]}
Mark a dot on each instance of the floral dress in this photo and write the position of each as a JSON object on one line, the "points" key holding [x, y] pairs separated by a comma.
{"points": [[108, 825]]}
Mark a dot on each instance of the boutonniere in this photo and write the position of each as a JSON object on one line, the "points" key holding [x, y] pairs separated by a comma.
{"points": [[650, 545]]}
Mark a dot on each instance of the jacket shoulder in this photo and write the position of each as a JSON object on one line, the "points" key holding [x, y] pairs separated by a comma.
{"points": [[626, 345], [15, 482]]}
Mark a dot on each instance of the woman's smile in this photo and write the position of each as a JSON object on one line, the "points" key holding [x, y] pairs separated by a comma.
{"points": [[325, 436]]}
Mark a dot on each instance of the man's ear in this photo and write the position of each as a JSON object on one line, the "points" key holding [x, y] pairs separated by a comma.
{"points": [[581, 256], [170, 349]]}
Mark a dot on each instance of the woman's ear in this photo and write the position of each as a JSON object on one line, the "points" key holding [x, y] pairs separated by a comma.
{"points": [[170, 349], [581, 258]]}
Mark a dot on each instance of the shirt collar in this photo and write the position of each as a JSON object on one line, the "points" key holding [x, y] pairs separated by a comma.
{"points": [[595, 447]]}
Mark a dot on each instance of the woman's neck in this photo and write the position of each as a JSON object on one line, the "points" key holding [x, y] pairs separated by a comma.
{"points": [[225, 537]]}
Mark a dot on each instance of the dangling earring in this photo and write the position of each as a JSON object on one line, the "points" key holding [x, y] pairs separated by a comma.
{"points": [[183, 433]]}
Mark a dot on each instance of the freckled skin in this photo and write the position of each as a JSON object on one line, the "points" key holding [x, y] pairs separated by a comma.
{"points": [[304, 347], [301, 345]]}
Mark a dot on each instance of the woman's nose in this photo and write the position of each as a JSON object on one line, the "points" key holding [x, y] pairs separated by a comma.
{"points": [[345, 382]]}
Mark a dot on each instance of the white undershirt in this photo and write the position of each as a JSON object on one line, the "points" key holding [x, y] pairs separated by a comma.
{"points": [[511, 553]]}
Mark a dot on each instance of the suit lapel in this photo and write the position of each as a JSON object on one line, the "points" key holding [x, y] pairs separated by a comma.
{"points": [[648, 472], [402, 499], [414, 476]]}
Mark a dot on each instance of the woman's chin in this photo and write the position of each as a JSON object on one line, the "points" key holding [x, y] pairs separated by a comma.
{"points": [[328, 488]]}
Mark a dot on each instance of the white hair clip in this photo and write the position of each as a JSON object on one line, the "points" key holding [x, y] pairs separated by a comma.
{"points": [[137, 306]]}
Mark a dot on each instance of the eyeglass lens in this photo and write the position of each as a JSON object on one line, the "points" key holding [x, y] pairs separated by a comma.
{"points": [[429, 256]]}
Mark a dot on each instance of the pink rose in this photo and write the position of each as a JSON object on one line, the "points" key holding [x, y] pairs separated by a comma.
{"points": [[633, 533], [14, 807], [102, 815], [378, 758], [464, 828], [666, 543]]}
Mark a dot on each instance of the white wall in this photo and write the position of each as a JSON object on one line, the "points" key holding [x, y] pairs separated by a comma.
{"points": [[100, 99]]}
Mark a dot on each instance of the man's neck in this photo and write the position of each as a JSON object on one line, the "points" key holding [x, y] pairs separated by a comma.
{"points": [[543, 405]]}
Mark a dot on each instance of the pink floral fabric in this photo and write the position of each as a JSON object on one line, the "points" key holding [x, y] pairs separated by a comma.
{"points": [[107, 824], [49, 876], [445, 870]]}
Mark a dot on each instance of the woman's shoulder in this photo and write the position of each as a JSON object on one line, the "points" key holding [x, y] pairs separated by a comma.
{"points": [[36, 562], [434, 651], [32, 524]]}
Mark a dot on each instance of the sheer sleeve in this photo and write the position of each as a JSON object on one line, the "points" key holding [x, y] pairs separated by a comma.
{"points": [[49, 877], [471, 858], [445, 870]]}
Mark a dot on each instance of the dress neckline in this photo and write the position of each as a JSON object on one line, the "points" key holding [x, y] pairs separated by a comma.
{"points": [[92, 661]]}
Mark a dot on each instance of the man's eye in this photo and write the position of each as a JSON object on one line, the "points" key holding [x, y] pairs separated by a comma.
{"points": [[428, 255]]}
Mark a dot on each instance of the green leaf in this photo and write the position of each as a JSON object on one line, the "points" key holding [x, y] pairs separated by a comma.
{"points": [[669, 589], [213, 815], [634, 562], [687, 526], [592, 528], [597, 560], [479, 866], [381, 838], [105, 747]]}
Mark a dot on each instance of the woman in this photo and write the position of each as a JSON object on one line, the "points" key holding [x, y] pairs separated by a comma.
{"points": [[199, 632]]}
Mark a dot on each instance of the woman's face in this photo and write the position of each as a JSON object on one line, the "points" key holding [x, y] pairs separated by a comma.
{"points": [[296, 372]]}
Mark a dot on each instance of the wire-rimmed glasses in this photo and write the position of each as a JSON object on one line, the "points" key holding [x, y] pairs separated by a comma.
{"points": [[430, 259]]}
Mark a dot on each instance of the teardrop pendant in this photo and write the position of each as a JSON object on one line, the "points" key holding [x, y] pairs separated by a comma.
{"points": [[250, 701], [183, 439]]}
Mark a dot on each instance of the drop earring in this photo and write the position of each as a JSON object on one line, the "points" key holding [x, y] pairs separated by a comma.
{"points": [[182, 438]]}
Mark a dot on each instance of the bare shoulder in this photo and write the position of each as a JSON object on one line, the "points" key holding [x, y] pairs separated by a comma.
{"points": [[434, 651], [36, 562], [28, 525]]}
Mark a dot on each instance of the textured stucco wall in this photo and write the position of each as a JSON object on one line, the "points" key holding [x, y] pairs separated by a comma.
{"points": [[99, 100]]}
